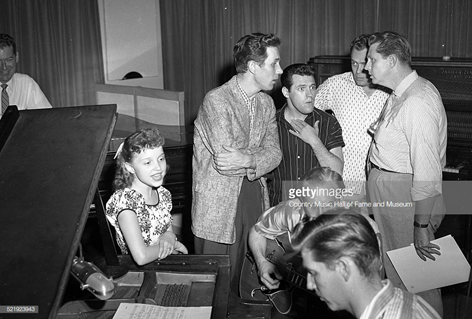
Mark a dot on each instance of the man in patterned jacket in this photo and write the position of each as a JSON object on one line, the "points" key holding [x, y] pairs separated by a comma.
{"points": [[235, 144]]}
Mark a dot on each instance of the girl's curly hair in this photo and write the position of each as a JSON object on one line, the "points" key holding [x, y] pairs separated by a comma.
{"points": [[148, 138]]}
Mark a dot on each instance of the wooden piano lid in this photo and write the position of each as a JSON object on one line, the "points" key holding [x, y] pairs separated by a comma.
{"points": [[49, 168]]}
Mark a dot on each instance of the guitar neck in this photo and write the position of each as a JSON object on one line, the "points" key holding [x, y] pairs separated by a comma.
{"points": [[291, 276]]}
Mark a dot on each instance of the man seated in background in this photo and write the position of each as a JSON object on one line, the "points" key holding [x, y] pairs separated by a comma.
{"points": [[309, 137], [342, 257], [17, 89], [356, 103]]}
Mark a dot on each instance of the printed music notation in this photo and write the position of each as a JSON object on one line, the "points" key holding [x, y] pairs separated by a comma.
{"points": [[144, 311]]}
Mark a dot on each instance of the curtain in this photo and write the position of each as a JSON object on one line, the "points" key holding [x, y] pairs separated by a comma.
{"points": [[199, 35], [434, 28], [59, 45]]}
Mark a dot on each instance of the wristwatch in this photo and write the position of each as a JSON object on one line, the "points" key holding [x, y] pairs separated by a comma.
{"points": [[420, 225]]}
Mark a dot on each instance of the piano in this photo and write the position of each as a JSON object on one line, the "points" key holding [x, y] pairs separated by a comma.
{"points": [[453, 78], [51, 163]]}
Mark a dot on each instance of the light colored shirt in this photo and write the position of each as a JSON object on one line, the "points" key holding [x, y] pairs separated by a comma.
{"points": [[224, 120], [281, 219], [25, 93], [412, 138], [394, 303], [355, 111]]}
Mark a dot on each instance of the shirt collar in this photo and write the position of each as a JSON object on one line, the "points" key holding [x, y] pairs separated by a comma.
{"points": [[11, 82], [405, 83], [246, 98], [379, 302], [280, 115]]}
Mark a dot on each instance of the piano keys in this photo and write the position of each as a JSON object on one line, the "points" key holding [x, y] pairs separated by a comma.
{"points": [[51, 162]]}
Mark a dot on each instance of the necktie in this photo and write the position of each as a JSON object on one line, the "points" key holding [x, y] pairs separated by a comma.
{"points": [[374, 126], [5, 98]]}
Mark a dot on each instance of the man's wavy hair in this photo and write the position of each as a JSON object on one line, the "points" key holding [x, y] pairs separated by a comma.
{"points": [[340, 233], [253, 47], [391, 42], [148, 138], [7, 41]]}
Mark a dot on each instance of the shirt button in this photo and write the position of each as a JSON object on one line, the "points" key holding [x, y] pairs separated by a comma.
{"points": [[298, 156]]}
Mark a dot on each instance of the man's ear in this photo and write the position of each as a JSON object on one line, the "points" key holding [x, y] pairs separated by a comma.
{"points": [[344, 267], [285, 92], [17, 58], [251, 66], [392, 60], [129, 168]]}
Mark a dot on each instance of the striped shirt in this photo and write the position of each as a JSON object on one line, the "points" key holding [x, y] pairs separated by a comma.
{"points": [[297, 156], [355, 111], [412, 137], [394, 303]]}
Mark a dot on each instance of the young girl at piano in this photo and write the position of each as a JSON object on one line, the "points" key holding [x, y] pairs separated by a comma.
{"points": [[139, 209]]}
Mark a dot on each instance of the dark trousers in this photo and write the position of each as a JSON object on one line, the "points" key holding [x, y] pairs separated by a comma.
{"points": [[248, 211]]}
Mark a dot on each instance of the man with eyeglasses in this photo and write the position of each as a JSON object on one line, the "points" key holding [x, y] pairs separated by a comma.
{"points": [[17, 89]]}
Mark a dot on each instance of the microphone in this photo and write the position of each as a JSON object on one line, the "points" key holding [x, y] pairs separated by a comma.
{"points": [[92, 278]]}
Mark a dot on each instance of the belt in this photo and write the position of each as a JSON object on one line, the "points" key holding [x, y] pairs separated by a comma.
{"points": [[372, 165]]}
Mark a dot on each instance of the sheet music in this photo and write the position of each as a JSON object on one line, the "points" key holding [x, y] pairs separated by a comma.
{"points": [[450, 268], [143, 311]]}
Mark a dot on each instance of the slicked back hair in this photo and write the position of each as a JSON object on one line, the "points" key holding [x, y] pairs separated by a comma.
{"points": [[341, 233], [360, 43], [391, 42]]}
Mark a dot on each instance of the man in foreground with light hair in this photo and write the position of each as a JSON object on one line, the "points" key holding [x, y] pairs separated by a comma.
{"points": [[341, 254]]}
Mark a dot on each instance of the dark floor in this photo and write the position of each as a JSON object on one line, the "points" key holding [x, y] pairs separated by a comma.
{"points": [[456, 304]]}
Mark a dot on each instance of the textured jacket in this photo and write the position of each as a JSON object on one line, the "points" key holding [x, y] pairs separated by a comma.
{"points": [[224, 120]]}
